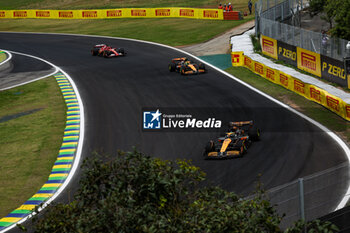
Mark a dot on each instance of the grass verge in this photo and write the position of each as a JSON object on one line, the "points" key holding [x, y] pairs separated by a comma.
{"points": [[32, 121], [315, 111], [2, 56], [172, 31]]}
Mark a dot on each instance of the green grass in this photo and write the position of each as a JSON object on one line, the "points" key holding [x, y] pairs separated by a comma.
{"points": [[315, 111], [28, 144], [2, 56], [173, 31]]}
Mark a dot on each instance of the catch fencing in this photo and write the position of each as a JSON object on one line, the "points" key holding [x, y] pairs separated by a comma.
{"points": [[281, 20], [311, 197]]}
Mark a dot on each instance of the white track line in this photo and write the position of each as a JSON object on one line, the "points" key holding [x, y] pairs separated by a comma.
{"points": [[323, 128], [79, 148], [27, 55], [8, 58]]}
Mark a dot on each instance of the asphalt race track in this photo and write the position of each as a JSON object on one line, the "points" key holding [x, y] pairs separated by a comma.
{"points": [[22, 69], [115, 90]]}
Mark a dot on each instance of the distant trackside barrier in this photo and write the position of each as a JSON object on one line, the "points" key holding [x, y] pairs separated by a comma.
{"points": [[169, 12]]}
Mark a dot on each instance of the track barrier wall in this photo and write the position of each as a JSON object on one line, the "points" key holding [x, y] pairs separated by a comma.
{"points": [[169, 12], [307, 90], [319, 65]]}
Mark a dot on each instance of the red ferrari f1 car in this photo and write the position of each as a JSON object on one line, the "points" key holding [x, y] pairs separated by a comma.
{"points": [[234, 143], [107, 51], [185, 66]]}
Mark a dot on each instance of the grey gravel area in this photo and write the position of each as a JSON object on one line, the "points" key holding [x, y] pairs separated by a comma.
{"points": [[219, 44]]}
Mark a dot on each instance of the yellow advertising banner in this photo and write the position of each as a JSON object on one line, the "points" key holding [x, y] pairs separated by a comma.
{"points": [[299, 87], [285, 80], [248, 62], [174, 12], [259, 68], [347, 111], [316, 94], [272, 74], [269, 46], [309, 91], [335, 104], [237, 58], [309, 61]]}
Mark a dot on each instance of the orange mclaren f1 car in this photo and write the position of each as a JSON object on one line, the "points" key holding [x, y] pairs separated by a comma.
{"points": [[234, 143], [107, 51], [185, 66]]}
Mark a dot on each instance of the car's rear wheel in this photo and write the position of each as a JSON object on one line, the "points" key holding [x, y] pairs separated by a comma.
{"points": [[172, 67], [209, 147], [254, 134], [201, 66]]}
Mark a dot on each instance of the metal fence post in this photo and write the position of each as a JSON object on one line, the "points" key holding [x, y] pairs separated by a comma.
{"points": [[301, 198], [257, 24]]}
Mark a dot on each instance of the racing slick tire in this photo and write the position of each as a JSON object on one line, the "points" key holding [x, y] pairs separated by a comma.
{"points": [[94, 51], [201, 66], [121, 51], [254, 134], [209, 147], [172, 67]]}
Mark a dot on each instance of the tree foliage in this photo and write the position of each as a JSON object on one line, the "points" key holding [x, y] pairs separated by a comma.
{"points": [[335, 12], [136, 193]]}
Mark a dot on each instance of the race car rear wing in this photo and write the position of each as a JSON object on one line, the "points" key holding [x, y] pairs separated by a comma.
{"points": [[240, 123]]}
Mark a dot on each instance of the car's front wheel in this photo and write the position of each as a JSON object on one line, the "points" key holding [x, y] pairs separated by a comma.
{"points": [[94, 51]]}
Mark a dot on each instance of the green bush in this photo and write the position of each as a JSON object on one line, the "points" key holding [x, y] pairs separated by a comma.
{"points": [[256, 43], [136, 193]]}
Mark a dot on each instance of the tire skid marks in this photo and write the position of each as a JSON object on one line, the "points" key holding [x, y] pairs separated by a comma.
{"points": [[65, 158]]}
